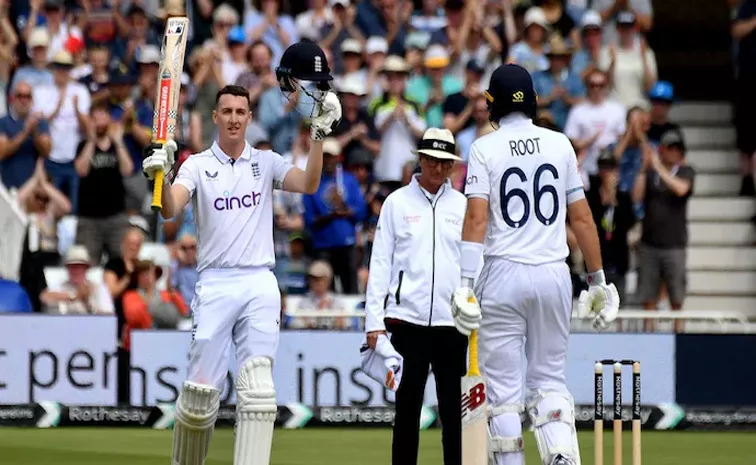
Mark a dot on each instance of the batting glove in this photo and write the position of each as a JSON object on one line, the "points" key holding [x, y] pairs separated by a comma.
{"points": [[600, 302], [159, 157], [465, 310], [330, 114]]}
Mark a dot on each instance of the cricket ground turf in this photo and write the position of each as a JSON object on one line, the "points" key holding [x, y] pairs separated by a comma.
{"points": [[112, 446]]}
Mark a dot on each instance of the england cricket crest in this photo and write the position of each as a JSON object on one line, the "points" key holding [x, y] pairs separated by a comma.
{"points": [[256, 170]]}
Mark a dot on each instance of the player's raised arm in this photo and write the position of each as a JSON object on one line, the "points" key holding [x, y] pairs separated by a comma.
{"points": [[601, 301], [159, 157], [305, 61]]}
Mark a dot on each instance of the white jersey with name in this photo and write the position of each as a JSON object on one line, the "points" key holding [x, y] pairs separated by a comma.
{"points": [[233, 205], [529, 175]]}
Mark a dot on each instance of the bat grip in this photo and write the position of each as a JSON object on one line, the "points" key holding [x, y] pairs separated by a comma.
{"points": [[157, 191], [473, 368]]}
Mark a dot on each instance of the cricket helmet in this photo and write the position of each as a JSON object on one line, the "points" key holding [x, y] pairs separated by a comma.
{"points": [[511, 91], [304, 67]]}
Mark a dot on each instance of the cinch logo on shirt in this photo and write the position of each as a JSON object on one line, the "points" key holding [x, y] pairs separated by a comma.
{"points": [[228, 202]]}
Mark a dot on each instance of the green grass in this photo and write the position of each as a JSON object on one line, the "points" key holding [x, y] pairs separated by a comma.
{"points": [[109, 446]]}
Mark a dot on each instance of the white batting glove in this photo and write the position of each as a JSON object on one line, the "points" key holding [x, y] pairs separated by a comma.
{"points": [[159, 158], [600, 302], [330, 113], [465, 310]]}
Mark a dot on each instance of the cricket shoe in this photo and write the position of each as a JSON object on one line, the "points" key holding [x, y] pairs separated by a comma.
{"points": [[561, 460]]}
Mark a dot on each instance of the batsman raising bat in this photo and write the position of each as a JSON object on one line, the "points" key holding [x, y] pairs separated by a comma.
{"points": [[236, 298]]}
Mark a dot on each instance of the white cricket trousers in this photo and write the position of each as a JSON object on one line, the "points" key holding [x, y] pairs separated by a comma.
{"points": [[524, 306], [242, 306]]}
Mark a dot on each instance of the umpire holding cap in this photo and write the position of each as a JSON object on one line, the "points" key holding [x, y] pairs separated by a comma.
{"points": [[414, 270]]}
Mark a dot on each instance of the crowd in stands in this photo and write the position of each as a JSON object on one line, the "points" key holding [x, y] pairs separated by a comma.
{"points": [[79, 81]]}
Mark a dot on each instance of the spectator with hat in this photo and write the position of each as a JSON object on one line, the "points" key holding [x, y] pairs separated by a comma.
{"points": [[331, 216], [356, 130], [319, 297], [530, 51], [586, 57], [351, 59], [36, 73], [235, 63], [662, 96], [50, 15], [77, 294], [65, 105], [629, 62], [664, 185], [558, 88], [431, 89], [147, 307], [293, 274], [24, 138], [376, 51], [399, 120], [611, 9], [415, 45]]}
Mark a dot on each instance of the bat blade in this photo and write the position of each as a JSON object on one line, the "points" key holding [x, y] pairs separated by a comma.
{"points": [[474, 410], [168, 89]]}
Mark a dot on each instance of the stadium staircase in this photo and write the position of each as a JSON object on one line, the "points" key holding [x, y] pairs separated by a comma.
{"points": [[722, 250]]}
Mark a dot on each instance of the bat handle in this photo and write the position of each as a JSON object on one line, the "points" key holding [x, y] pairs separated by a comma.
{"points": [[157, 191]]}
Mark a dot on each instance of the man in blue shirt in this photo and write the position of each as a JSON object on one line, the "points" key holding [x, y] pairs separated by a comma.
{"points": [[331, 216], [24, 137], [558, 87]]}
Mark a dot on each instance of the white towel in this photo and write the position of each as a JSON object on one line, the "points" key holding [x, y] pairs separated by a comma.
{"points": [[384, 364]]}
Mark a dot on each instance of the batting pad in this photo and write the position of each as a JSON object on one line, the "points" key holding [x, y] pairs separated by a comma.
{"points": [[255, 412], [553, 417], [196, 412], [505, 431]]}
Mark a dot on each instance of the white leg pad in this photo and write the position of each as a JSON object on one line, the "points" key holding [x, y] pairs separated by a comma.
{"points": [[553, 416], [505, 443], [196, 412], [255, 412]]}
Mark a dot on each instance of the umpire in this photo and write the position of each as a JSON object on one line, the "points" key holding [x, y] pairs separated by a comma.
{"points": [[414, 270]]}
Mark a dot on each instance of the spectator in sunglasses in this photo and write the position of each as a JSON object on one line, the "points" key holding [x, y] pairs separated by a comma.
{"points": [[183, 276]]}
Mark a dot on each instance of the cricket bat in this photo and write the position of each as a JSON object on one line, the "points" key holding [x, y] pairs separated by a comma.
{"points": [[168, 88], [474, 410]]}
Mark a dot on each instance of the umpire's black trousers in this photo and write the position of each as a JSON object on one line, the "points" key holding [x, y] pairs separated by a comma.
{"points": [[443, 349]]}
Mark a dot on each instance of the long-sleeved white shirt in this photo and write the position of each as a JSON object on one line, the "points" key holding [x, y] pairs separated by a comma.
{"points": [[414, 267]]}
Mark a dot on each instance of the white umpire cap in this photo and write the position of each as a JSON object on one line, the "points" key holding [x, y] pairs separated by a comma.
{"points": [[438, 143]]}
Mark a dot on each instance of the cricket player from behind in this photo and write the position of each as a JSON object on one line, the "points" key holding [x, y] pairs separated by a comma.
{"points": [[522, 184], [236, 298]]}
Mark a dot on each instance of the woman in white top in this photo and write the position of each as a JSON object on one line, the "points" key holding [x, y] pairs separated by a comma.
{"points": [[629, 63]]}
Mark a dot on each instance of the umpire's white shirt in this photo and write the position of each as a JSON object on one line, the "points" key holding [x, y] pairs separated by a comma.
{"points": [[233, 205], [414, 266]]}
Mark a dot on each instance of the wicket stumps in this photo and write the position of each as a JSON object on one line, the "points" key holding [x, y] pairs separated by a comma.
{"points": [[598, 411]]}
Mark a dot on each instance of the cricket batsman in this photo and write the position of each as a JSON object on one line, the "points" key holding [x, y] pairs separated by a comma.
{"points": [[236, 298], [522, 184]]}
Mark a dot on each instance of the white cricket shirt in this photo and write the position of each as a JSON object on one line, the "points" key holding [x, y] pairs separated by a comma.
{"points": [[233, 205], [529, 175]]}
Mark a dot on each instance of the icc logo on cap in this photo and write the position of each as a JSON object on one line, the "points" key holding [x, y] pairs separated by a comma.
{"points": [[518, 97], [439, 145]]}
